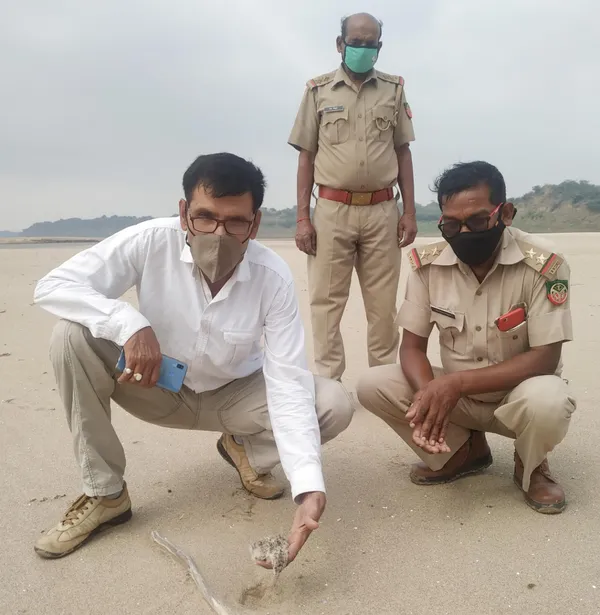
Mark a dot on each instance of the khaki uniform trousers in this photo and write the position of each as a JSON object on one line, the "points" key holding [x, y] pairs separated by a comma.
{"points": [[365, 236], [84, 367], [536, 414]]}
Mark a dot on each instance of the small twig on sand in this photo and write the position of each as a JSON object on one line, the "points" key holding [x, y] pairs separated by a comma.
{"points": [[214, 604]]}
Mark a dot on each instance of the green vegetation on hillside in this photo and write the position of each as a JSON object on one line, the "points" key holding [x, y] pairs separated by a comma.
{"points": [[567, 207]]}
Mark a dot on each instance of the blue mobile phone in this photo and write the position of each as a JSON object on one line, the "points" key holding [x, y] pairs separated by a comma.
{"points": [[172, 372]]}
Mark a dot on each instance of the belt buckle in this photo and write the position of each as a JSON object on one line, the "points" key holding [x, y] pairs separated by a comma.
{"points": [[361, 198]]}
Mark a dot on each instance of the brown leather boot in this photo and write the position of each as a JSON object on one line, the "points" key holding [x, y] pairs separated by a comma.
{"points": [[545, 495], [472, 457]]}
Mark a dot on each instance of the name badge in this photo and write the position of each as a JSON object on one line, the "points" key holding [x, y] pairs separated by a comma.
{"points": [[443, 312], [332, 109]]}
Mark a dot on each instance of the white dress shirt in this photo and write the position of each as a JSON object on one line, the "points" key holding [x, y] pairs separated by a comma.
{"points": [[220, 339]]}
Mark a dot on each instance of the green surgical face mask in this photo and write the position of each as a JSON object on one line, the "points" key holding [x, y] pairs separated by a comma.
{"points": [[360, 60]]}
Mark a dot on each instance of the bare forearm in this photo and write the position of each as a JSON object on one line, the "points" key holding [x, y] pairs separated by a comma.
{"points": [[510, 373], [416, 367], [406, 180], [305, 180]]}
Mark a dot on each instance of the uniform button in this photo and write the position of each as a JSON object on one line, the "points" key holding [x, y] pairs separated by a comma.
{"points": [[477, 328], [480, 359], [362, 163], [360, 138], [515, 337], [360, 115], [478, 293]]}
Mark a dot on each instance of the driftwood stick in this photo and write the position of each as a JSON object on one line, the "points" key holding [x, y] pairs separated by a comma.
{"points": [[214, 604]]}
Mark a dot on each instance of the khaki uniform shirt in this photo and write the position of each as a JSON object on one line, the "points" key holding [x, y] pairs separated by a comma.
{"points": [[354, 132], [443, 291]]}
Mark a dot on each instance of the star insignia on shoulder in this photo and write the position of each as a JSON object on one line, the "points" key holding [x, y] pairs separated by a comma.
{"points": [[531, 253], [541, 259], [435, 252], [423, 253]]}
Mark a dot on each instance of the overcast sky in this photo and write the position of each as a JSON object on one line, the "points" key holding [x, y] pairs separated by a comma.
{"points": [[104, 104]]}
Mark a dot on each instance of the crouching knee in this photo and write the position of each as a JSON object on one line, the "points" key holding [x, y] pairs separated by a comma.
{"points": [[335, 408], [549, 400], [382, 387], [548, 405], [66, 334]]}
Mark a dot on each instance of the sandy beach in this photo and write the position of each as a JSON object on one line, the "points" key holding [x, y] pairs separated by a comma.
{"points": [[385, 546]]}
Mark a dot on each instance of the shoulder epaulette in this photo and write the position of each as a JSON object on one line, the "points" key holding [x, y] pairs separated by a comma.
{"points": [[544, 262], [420, 257], [321, 80], [391, 78]]}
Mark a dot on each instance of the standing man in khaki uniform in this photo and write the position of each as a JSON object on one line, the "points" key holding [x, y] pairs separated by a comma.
{"points": [[500, 300], [353, 131]]}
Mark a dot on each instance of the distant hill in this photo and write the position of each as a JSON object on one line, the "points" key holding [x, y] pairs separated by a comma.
{"points": [[567, 207], [76, 227]]}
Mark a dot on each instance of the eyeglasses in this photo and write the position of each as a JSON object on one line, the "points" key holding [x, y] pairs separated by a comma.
{"points": [[210, 225], [476, 224]]}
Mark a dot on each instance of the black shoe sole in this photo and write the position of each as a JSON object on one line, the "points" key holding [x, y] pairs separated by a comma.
{"points": [[229, 460], [122, 518], [480, 466]]}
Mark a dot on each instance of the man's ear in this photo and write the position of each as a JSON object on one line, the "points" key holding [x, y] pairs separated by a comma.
{"points": [[254, 231], [508, 213], [338, 44], [182, 214]]}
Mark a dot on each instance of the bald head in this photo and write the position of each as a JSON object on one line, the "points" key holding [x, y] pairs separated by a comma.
{"points": [[361, 22]]}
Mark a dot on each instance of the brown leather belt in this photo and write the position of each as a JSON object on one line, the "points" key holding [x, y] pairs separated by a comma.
{"points": [[356, 198]]}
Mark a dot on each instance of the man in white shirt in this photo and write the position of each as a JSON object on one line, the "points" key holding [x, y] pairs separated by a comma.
{"points": [[208, 295]]}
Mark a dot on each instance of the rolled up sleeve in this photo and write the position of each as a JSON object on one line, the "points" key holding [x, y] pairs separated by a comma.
{"points": [[291, 395], [414, 314], [549, 323], [305, 132], [404, 131]]}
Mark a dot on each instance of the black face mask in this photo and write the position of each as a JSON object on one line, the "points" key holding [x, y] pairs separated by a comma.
{"points": [[476, 248]]}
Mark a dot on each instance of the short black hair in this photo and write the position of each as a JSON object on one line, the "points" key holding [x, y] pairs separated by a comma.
{"points": [[344, 24], [466, 175], [225, 174]]}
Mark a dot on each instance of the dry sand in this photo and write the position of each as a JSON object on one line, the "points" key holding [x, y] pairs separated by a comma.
{"points": [[385, 546]]}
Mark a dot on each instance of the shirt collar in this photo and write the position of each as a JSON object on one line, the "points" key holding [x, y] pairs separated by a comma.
{"points": [[341, 76], [508, 254]]}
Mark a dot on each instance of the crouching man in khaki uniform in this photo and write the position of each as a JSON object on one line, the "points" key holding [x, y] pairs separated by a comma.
{"points": [[500, 300]]}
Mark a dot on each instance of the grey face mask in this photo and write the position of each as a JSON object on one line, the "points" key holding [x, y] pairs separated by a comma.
{"points": [[216, 255]]}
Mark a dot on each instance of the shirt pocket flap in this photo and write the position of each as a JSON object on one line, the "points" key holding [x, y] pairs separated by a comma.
{"points": [[333, 116], [384, 113], [241, 336], [451, 320]]}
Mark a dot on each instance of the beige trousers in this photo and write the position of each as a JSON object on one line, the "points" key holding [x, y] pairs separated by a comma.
{"points": [[84, 367], [536, 414], [365, 237]]}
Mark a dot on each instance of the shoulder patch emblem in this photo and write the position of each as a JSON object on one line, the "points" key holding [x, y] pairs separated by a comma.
{"points": [[408, 110], [557, 291], [419, 257]]}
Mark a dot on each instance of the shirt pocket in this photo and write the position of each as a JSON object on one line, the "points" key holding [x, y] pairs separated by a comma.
{"points": [[240, 344], [335, 126], [382, 123], [513, 342], [452, 333]]}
